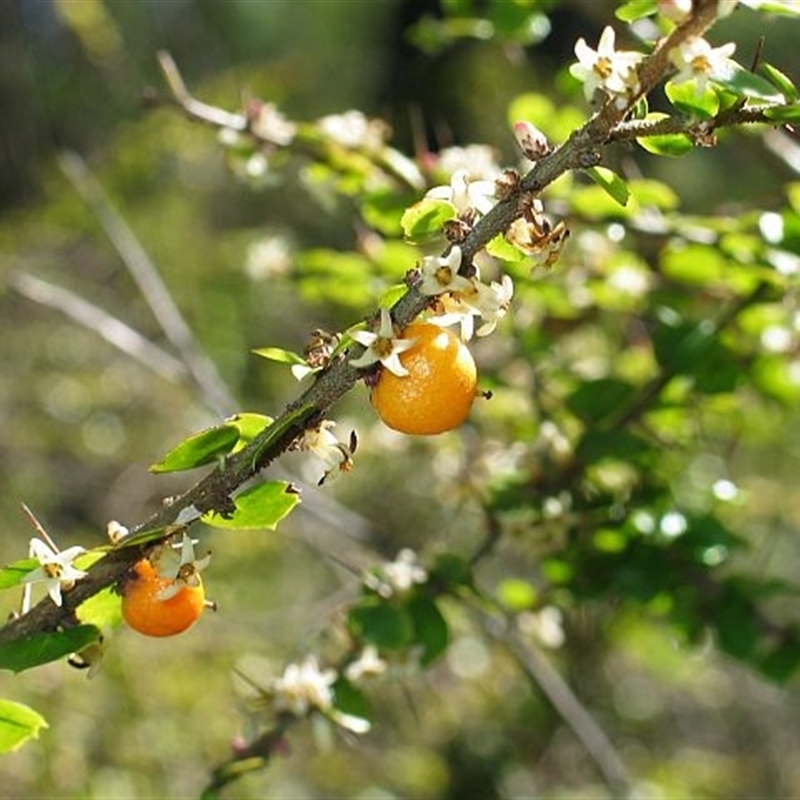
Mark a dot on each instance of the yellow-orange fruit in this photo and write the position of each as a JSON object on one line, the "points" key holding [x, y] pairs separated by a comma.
{"points": [[145, 610], [438, 392]]}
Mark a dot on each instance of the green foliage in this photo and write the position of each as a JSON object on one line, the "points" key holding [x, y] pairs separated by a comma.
{"points": [[31, 651], [18, 724], [260, 507]]}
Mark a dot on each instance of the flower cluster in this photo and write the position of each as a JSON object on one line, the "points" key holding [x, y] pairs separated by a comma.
{"points": [[396, 577], [322, 442], [458, 299]]}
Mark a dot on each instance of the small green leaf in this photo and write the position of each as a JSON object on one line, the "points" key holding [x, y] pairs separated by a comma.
{"points": [[671, 145], [611, 183], [424, 220], [279, 355], [748, 84], [103, 610], [18, 723], [261, 507], [381, 623], [685, 98], [780, 81], [13, 574], [636, 9], [516, 594], [250, 425], [199, 449], [784, 113], [40, 648], [430, 628]]}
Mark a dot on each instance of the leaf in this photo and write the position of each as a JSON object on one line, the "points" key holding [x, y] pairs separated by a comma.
{"points": [[279, 355], [430, 628], [199, 449], [18, 723], [261, 507], [425, 219], [748, 84], [13, 574], [780, 81], [619, 445], [40, 648], [594, 401], [784, 113], [685, 98], [636, 9], [250, 425], [671, 145], [103, 610], [383, 624], [611, 183]]}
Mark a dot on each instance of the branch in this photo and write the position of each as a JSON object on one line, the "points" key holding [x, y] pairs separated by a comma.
{"points": [[150, 284], [566, 704], [217, 490], [113, 330]]}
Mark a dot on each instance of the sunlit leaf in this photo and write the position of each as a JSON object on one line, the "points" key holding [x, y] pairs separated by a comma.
{"points": [[18, 724], [784, 113], [13, 574], [748, 84], [425, 219], [636, 9], [789, 8], [685, 98], [279, 355], [199, 449], [40, 648], [611, 183], [261, 507], [783, 83], [516, 594], [672, 145], [103, 610]]}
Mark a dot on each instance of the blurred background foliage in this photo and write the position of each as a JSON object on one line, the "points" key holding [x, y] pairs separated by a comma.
{"points": [[671, 558]]}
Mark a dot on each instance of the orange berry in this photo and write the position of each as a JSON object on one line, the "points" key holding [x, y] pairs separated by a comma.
{"points": [[438, 392], [145, 609]]}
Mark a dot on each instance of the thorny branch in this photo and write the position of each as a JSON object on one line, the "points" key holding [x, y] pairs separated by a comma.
{"points": [[217, 490]]}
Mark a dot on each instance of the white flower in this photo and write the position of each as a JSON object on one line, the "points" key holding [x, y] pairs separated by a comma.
{"points": [[492, 303], [382, 346], [55, 570], [269, 124], [322, 442], [455, 309], [479, 160], [465, 194], [368, 665], [605, 68], [697, 60], [441, 274], [180, 566], [725, 7], [353, 130], [304, 687], [398, 576]]}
